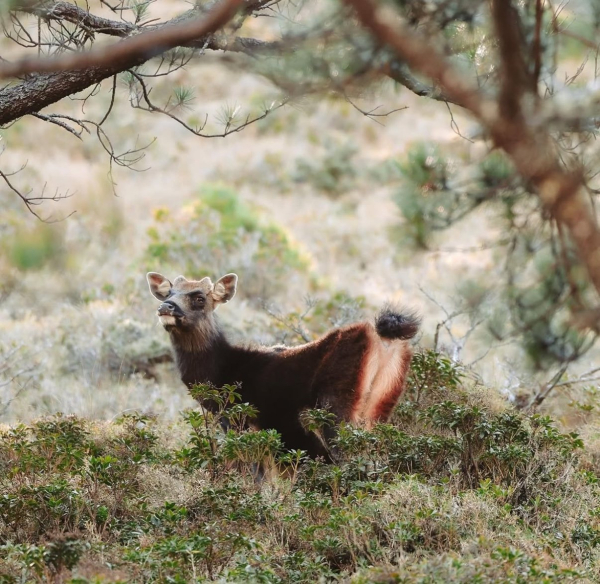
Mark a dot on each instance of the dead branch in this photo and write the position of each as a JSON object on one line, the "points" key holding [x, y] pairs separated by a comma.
{"points": [[294, 323], [373, 114], [547, 388], [32, 201], [458, 344]]}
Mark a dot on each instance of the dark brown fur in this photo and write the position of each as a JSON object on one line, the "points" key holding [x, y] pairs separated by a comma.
{"points": [[358, 372]]}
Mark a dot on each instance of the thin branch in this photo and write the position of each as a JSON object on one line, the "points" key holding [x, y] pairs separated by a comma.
{"points": [[55, 119], [371, 113], [564, 32], [297, 326], [547, 388], [30, 201], [454, 125], [400, 73], [444, 323], [577, 381], [198, 131], [112, 101]]}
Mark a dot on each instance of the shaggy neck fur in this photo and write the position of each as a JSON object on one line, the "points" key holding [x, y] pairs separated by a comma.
{"points": [[200, 338], [199, 352]]}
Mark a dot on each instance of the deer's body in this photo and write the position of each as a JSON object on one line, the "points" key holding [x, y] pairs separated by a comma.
{"points": [[358, 372]]}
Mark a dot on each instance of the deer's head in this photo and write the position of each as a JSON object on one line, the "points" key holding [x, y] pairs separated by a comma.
{"points": [[187, 304]]}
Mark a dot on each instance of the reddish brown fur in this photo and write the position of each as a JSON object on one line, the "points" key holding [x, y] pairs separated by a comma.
{"points": [[357, 372]]}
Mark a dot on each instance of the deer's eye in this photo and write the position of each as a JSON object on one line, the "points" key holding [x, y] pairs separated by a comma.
{"points": [[198, 299]]}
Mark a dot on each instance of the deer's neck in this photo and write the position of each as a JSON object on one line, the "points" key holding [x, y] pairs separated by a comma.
{"points": [[200, 353]]}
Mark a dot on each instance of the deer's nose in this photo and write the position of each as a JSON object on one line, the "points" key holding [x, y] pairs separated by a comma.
{"points": [[169, 308]]}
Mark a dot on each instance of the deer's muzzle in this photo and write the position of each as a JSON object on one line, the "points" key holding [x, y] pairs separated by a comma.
{"points": [[169, 309]]}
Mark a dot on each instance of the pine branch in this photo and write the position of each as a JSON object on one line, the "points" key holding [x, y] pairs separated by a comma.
{"points": [[80, 17], [132, 50], [38, 91]]}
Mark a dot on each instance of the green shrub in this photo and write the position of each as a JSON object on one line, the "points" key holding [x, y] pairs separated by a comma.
{"points": [[334, 172], [220, 233], [31, 248]]}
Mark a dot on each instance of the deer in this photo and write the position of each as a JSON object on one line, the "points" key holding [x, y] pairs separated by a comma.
{"points": [[358, 372]]}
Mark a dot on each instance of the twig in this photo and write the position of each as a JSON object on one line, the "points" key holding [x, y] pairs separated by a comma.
{"points": [[30, 202], [198, 131], [548, 387], [54, 119], [454, 125], [371, 114], [297, 327]]}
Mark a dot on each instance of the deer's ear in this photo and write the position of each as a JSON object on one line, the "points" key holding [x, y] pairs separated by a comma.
{"points": [[224, 289], [160, 287]]}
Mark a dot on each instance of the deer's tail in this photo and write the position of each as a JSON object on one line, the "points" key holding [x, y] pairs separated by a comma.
{"points": [[393, 323]]}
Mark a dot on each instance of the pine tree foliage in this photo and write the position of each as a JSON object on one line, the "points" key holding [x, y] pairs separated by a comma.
{"points": [[537, 280]]}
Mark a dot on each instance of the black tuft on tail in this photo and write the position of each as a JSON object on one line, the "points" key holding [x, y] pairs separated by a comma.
{"points": [[392, 324]]}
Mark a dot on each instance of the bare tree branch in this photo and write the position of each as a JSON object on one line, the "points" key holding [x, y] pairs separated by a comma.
{"points": [[400, 73], [53, 119], [373, 114], [31, 201], [294, 323], [547, 388]]}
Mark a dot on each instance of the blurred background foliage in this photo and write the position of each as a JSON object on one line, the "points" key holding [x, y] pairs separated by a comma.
{"points": [[220, 233], [328, 198]]}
